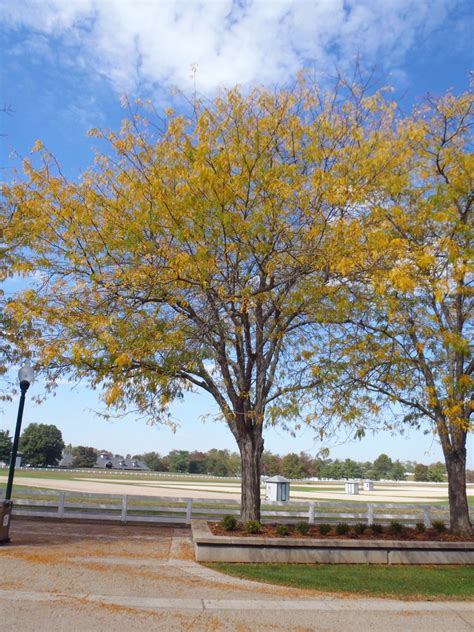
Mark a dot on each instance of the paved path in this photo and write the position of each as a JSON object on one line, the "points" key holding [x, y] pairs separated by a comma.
{"points": [[60, 577]]}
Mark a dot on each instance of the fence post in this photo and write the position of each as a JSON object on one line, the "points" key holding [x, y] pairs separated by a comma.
{"points": [[123, 515], [189, 510], [311, 513], [427, 517], [370, 513], [62, 496]]}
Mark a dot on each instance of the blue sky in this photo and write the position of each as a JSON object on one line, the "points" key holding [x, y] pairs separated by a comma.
{"points": [[65, 64]]}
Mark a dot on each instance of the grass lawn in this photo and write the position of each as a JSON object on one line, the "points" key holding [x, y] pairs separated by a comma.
{"points": [[406, 582]]}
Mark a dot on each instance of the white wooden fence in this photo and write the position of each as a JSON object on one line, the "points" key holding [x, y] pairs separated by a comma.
{"points": [[151, 473], [116, 471], [131, 508]]}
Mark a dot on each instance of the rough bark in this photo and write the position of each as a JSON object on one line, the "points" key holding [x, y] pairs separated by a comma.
{"points": [[458, 505], [251, 448]]}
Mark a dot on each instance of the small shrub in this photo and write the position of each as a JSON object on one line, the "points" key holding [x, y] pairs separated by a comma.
{"points": [[395, 527], [420, 527], [342, 528], [439, 526], [359, 528], [228, 523], [282, 529], [324, 529], [253, 526], [376, 529], [302, 528]]}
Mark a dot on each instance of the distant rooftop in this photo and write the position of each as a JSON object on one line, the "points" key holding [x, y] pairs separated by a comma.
{"points": [[107, 461]]}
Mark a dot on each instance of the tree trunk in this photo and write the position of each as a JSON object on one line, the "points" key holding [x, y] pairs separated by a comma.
{"points": [[458, 506], [251, 448]]}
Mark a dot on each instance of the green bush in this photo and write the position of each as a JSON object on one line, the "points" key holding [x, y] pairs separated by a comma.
{"points": [[324, 529], [229, 523], [439, 526], [253, 526], [395, 527], [360, 528], [420, 527], [342, 528], [282, 529], [376, 529], [302, 528]]}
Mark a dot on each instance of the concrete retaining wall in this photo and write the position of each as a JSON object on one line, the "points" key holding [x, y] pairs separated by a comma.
{"points": [[211, 548]]}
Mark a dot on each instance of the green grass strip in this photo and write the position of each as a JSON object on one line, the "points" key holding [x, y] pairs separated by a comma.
{"points": [[406, 582]]}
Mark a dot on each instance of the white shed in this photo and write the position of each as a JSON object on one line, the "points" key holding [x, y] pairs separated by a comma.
{"points": [[368, 486], [277, 488], [352, 487]]}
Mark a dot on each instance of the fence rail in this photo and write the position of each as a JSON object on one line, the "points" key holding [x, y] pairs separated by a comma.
{"points": [[204, 475], [179, 510], [117, 471]]}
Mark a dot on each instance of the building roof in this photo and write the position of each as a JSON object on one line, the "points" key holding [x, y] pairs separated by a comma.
{"points": [[117, 462], [277, 479], [120, 462]]}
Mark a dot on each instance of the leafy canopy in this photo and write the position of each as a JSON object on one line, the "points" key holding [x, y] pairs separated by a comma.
{"points": [[41, 444], [196, 253], [404, 336]]}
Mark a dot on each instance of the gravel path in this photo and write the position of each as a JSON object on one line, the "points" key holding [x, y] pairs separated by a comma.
{"points": [[59, 577]]}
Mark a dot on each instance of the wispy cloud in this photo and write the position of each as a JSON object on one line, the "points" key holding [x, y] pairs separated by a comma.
{"points": [[145, 43]]}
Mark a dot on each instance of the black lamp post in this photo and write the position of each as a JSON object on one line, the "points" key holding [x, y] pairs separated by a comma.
{"points": [[26, 377]]}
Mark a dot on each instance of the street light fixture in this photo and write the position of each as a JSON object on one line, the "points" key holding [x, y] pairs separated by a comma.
{"points": [[25, 377]]}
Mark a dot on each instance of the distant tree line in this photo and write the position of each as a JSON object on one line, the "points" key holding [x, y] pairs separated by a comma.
{"points": [[42, 445], [292, 465]]}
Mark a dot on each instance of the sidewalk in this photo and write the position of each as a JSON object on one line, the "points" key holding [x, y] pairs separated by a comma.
{"points": [[62, 577]]}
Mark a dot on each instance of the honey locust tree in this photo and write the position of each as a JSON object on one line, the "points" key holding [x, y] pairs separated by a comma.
{"points": [[182, 259], [405, 335]]}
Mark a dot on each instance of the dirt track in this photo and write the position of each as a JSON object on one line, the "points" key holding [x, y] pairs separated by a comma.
{"points": [[185, 489], [100, 487]]}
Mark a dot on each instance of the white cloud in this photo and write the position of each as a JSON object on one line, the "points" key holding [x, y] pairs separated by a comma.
{"points": [[148, 43]]}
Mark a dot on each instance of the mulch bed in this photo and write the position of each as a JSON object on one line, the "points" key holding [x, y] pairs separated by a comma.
{"points": [[269, 531]]}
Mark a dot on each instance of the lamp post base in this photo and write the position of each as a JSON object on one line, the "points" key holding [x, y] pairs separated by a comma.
{"points": [[5, 517]]}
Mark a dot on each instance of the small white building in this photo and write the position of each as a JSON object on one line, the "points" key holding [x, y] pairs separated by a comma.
{"points": [[352, 487], [277, 488], [368, 486]]}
